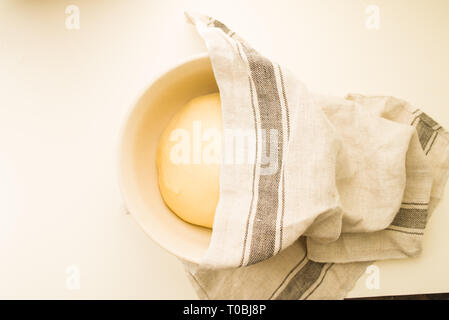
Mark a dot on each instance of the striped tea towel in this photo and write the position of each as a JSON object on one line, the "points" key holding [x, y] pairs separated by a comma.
{"points": [[330, 180], [403, 237]]}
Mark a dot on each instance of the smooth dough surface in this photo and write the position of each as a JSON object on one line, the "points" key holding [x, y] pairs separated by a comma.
{"points": [[191, 188]]}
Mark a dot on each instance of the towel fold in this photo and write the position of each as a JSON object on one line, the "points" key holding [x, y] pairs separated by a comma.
{"points": [[331, 184]]}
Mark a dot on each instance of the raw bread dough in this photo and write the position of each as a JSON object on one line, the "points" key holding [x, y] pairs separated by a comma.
{"points": [[188, 160]]}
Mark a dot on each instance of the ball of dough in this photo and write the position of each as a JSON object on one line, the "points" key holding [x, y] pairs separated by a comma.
{"points": [[188, 160]]}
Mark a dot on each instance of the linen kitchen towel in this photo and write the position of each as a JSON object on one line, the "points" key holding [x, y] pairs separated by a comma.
{"points": [[403, 237], [289, 275], [255, 217], [355, 176]]}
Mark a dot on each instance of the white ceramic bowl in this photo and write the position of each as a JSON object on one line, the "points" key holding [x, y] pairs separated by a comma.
{"points": [[143, 126]]}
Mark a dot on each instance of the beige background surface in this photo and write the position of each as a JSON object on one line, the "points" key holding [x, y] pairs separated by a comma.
{"points": [[63, 94]]}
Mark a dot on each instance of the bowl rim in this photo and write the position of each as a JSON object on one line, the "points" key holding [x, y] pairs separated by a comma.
{"points": [[120, 147]]}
